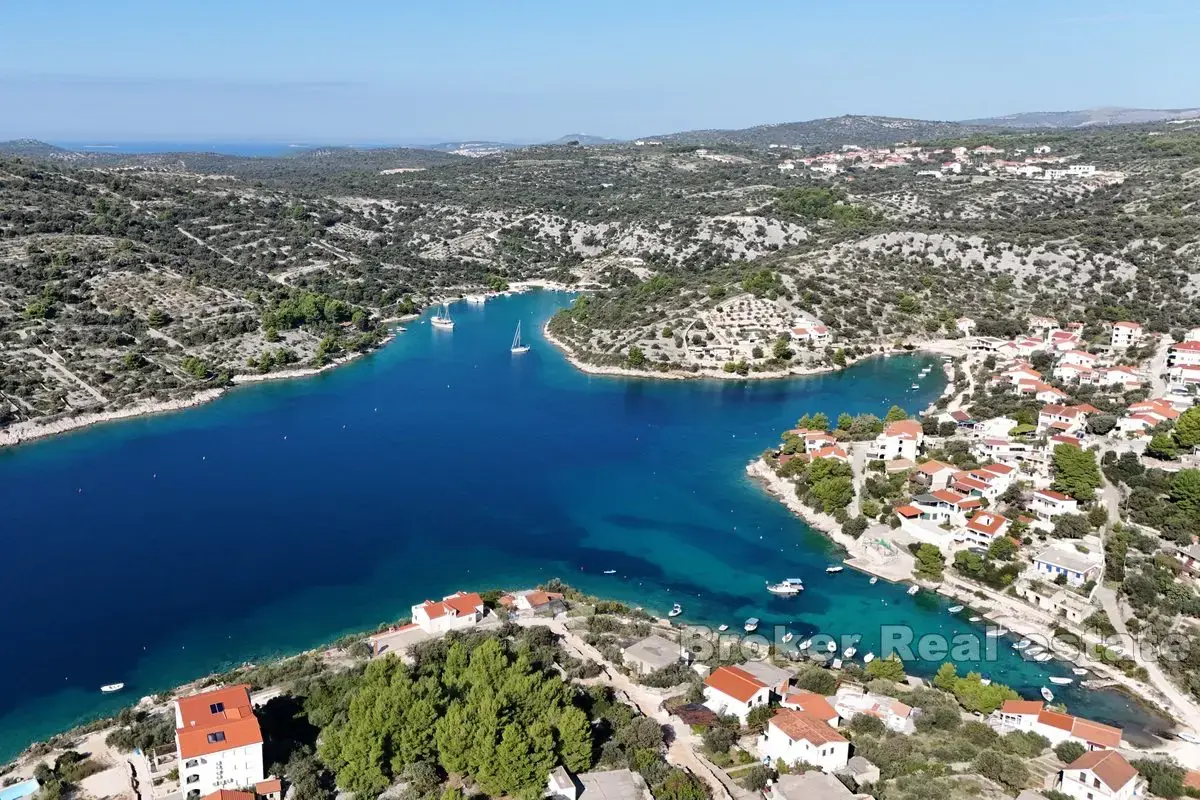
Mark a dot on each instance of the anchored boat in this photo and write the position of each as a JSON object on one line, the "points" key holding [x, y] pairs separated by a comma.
{"points": [[1047, 695], [109, 688], [1062, 681], [751, 625], [675, 611], [442, 319], [834, 570], [913, 590], [955, 609], [788, 586], [518, 348]]}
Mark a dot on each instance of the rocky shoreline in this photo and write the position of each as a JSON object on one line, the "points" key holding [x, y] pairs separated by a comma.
{"points": [[34, 429]]}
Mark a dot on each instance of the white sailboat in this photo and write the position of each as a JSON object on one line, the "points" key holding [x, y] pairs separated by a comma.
{"points": [[518, 348], [442, 319]]}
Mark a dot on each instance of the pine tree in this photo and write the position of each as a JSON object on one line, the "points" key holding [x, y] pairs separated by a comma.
{"points": [[574, 740], [483, 761], [515, 772], [454, 736]]}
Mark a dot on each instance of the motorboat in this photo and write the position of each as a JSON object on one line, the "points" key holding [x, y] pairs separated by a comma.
{"points": [[955, 609], [1033, 651], [1079, 671], [109, 688], [874, 580], [1042, 658], [807, 643], [476, 299], [751, 625], [849, 652], [913, 590], [837, 663], [722, 627], [975, 619], [868, 658], [610, 572], [1062, 681], [787, 637], [915, 386], [675, 611], [1021, 645], [831, 647], [1047, 695], [993, 633], [788, 586], [834, 570]]}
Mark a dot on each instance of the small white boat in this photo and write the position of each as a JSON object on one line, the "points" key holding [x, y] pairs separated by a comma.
{"points": [[915, 386], [831, 647], [1033, 651], [874, 580], [993, 633], [955, 609], [788, 586], [610, 572], [849, 652], [476, 299], [675, 611], [109, 688], [518, 348], [442, 319], [787, 637], [1041, 658], [1079, 671], [913, 590], [834, 570], [1047, 695], [975, 619], [985, 681], [868, 658], [1021, 645], [807, 643], [751, 625], [1062, 681], [1188, 736], [722, 627]]}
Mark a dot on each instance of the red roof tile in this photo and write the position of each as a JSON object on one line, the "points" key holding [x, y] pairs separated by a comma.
{"points": [[1108, 765], [734, 682], [218, 720], [800, 726]]}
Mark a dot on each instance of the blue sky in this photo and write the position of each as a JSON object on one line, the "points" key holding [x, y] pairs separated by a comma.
{"points": [[526, 70]]}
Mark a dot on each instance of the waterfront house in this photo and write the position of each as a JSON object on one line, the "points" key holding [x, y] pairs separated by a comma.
{"points": [[533, 602], [812, 704], [1076, 567], [734, 691], [453, 612], [816, 334], [1125, 334], [921, 526], [1100, 775], [983, 528], [652, 654], [896, 716], [1033, 716], [946, 506], [218, 741], [796, 737], [900, 439], [1046, 504]]}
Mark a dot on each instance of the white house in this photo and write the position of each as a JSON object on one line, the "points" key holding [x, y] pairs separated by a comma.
{"points": [[1063, 340], [732, 690], [1063, 419], [1185, 353], [1125, 334], [809, 332], [934, 474], [1184, 374], [1033, 716], [795, 737], [1100, 775], [1079, 357], [1078, 567], [983, 528], [814, 705], [965, 325], [946, 506], [218, 741], [453, 612], [1046, 504], [896, 716], [899, 440], [1081, 170], [1123, 377], [1140, 418]]}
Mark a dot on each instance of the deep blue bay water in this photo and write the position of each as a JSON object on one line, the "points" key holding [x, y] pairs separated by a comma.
{"points": [[285, 514]]}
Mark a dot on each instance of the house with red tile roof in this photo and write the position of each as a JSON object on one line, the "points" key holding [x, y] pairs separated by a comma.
{"points": [[797, 737], [532, 600], [453, 612], [900, 439], [813, 704], [1046, 504], [1100, 775], [218, 741], [1125, 335], [1142, 417], [934, 474], [1032, 715], [896, 716], [1063, 341], [1184, 354], [734, 691], [1063, 419], [946, 506], [983, 528]]}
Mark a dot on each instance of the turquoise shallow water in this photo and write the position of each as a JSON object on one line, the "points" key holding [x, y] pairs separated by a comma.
{"points": [[285, 514]]}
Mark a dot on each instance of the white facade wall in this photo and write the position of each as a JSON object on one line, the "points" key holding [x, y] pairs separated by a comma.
{"points": [[238, 768], [720, 703], [776, 745]]}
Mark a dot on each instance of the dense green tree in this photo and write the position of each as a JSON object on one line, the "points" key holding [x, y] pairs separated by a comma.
{"points": [[931, 563], [889, 669], [1162, 446], [574, 740], [1187, 428], [636, 358], [1075, 472], [1068, 751]]}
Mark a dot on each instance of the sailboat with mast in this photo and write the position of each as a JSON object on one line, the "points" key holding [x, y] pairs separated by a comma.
{"points": [[442, 319], [517, 347]]}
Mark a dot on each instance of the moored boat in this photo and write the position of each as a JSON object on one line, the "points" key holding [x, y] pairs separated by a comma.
{"points": [[442, 319], [874, 580], [722, 627], [109, 688], [807, 643], [913, 590], [834, 570], [675, 611], [1041, 658], [476, 299], [1079, 671], [1047, 695], [849, 652], [831, 647], [1033, 651], [1061, 681], [868, 658], [788, 586], [751, 625], [787, 637], [993, 633], [1021, 645], [518, 348], [975, 619], [955, 609]]}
